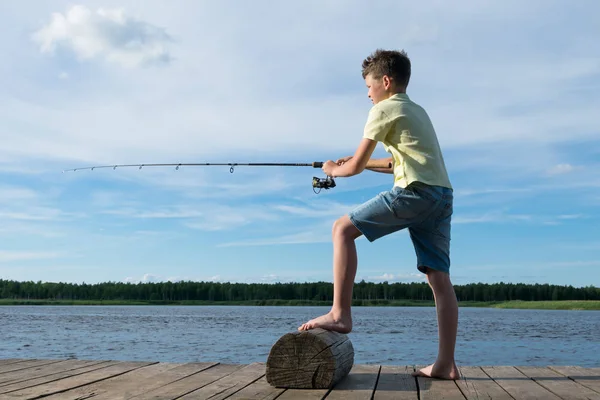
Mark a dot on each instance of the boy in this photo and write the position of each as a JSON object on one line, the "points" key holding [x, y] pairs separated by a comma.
{"points": [[420, 200]]}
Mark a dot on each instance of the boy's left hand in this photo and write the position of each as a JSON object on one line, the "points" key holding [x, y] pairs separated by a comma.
{"points": [[329, 167]]}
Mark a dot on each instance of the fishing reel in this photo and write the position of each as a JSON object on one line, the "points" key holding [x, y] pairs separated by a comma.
{"points": [[320, 183]]}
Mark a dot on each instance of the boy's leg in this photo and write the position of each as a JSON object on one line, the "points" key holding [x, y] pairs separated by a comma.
{"points": [[446, 306], [345, 262], [387, 212], [431, 238]]}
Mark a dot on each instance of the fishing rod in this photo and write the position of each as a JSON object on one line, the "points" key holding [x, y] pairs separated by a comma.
{"points": [[317, 183]]}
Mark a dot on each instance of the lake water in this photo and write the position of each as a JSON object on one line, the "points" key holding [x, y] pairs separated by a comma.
{"points": [[244, 334]]}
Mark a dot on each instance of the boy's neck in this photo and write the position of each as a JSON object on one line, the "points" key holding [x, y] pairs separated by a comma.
{"points": [[395, 92]]}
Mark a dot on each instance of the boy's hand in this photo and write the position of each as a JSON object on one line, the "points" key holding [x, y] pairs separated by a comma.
{"points": [[343, 160], [328, 168]]}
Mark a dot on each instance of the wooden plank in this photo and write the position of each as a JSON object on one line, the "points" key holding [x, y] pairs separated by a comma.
{"points": [[358, 384], [437, 389], [396, 382], [558, 384], [102, 380], [24, 365], [53, 377], [476, 385], [135, 387], [587, 377], [11, 361], [518, 385], [43, 370], [260, 389], [304, 394], [120, 384], [190, 383], [229, 384], [65, 384]]}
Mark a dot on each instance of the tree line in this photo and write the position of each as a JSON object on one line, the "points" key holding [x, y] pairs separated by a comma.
{"points": [[314, 291]]}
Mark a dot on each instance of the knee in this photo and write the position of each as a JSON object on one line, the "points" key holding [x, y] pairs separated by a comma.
{"points": [[337, 228], [343, 228], [438, 280]]}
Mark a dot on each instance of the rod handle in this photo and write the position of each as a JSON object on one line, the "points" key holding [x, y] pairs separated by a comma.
{"points": [[317, 164]]}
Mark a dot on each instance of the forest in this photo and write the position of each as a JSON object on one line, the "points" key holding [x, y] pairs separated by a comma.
{"points": [[313, 291]]}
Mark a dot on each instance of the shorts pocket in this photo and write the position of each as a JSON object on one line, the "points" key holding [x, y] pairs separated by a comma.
{"points": [[410, 206]]}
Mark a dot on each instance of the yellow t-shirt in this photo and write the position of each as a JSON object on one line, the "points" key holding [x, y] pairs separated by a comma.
{"points": [[408, 135]]}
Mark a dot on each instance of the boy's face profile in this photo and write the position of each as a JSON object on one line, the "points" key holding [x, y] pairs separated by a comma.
{"points": [[379, 89]]}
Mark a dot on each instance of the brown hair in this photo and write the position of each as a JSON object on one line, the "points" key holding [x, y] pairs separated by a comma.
{"points": [[392, 63]]}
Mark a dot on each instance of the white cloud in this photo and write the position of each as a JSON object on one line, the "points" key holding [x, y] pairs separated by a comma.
{"points": [[26, 229], [154, 278], [561, 169], [105, 33], [146, 278], [504, 217], [205, 216], [212, 216], [150, 278], [491, 216], [571, 216], [389, 277], [538, 265], [184, 115], [11, 256], [175, 212], [36, 214], [10, 194], [328, 209], [483, 191], [275, 88], [296, 238]]}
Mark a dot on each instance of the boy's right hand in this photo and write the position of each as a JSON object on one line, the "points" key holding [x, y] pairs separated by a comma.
{"points": [[343, 160]]}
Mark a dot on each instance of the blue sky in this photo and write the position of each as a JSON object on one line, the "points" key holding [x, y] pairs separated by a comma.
{"points": [[512, 89]]}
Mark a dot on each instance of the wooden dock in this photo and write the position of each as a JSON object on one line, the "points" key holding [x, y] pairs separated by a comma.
{"points": [[95, 379]]}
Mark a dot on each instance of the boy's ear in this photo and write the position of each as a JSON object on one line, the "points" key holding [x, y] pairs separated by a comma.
{"points": [[387, 82]]}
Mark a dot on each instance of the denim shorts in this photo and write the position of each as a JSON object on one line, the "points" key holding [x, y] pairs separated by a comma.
{"points": [[425, 210]]}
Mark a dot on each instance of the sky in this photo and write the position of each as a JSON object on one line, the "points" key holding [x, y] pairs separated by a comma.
{"points": [[512, 89]]}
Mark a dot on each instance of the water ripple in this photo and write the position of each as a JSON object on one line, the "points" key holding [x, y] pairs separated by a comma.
{"points": [[389, 335]]}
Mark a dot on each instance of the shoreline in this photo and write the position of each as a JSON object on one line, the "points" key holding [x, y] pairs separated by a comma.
{"points": [[514, 304]]}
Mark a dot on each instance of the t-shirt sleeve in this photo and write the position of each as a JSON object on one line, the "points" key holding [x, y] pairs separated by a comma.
{"points": [[378, 125]]}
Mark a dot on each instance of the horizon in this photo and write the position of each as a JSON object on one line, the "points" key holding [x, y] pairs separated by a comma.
{"points": [[142, 282], [118, 82]]}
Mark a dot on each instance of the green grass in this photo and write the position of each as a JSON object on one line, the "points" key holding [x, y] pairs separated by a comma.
{"points": [[539, 305], [550, 305]]}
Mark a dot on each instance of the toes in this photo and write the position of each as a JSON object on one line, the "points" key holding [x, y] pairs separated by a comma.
{"points": [[306, 326], [420, 373]]}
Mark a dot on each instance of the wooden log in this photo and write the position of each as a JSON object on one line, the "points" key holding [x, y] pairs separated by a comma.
{"points": [[313, 359]]}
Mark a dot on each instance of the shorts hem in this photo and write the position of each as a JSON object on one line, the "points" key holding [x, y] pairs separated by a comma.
{"points": [[423, 268], [358, 226]]}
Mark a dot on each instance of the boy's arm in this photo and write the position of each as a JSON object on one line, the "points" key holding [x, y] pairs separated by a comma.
{"points": [[356, 164], [385, 165], [377, 127]]}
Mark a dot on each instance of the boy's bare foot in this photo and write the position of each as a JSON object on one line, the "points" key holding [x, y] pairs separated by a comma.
{"points": [[433, 371], [330, 322]]}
